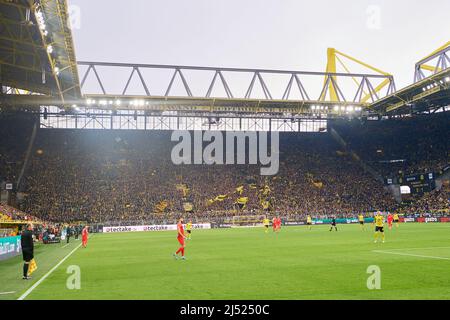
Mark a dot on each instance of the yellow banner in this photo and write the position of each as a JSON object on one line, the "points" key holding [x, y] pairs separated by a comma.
{"points": [[318, 185], [242, 200], [160, 207], [220, 197], [188, 207]]}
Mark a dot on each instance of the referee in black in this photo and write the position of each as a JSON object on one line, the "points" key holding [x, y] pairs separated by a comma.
{"points": [[333, 224], [27, 249], [68, 233]]}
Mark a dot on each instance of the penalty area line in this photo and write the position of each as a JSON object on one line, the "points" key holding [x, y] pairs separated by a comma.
{"points": [[9, 292], [410, 254], [23, 296]]}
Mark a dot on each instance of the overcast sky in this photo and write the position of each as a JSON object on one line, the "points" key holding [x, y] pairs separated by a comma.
{"points": [[272, 34]]}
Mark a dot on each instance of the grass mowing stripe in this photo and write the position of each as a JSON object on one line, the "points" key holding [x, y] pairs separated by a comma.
{"points": [[410, 254], [23, 296]]}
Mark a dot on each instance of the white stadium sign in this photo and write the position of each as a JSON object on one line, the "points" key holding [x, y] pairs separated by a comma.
{"points": [[162, 227]]}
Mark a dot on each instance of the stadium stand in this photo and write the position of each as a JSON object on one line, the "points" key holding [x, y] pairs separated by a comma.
{"points": [[101, 176], [15, 132], [400, 146]]}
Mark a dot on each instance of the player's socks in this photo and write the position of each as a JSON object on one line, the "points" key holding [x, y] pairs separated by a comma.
{"points": [[25, 270], [182, 252]]}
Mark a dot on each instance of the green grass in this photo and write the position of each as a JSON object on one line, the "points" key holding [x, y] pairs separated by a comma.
{"points": [[247, 264]]}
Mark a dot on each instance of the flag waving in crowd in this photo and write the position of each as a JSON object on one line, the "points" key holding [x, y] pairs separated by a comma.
{"points": [[241, 202]]}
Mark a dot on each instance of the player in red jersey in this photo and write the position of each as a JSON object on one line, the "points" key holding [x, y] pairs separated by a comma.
{"points": [[390, 218], [180, 238], [84, 236], [278, 223], [274, 223]]}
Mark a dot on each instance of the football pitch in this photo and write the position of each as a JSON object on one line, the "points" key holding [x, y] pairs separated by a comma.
{"points": [[242, 263]]}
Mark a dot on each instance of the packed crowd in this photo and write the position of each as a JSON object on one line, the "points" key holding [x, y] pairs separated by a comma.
{"points": [[8, 213], [110, 175], [12, 219], [128, 176], [15, 132], [399, 147], [435, 202]]}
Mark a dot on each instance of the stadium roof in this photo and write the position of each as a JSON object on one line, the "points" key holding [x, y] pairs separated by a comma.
{"points": [[36, 49], [428, 94], [37, 57]]}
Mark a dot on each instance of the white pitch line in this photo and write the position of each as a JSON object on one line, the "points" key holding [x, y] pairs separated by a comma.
{"points": [[424, 248], [65, 246], [23, 296], [410, 254], [10, 292]]}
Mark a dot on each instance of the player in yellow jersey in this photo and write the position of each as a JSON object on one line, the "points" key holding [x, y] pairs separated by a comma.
{"points": [[266, 223], [379, 225], [361, 222], [189, 230], [396, 219], [309, 222]]}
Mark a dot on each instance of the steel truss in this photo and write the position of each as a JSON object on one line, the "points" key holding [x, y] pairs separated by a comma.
{"points": [[434, 63], [258, 78], [53, 117]]}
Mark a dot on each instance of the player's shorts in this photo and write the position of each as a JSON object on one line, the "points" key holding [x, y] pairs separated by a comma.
{"points": [[27, 255], [180, 240], [308, 223], [266, 225], [188, 231], [361, 222], [333, 224], [380, 229], [396, 220]]}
